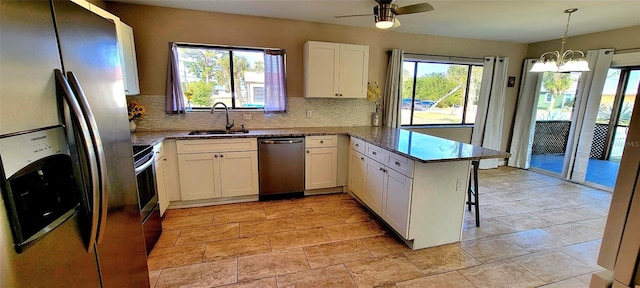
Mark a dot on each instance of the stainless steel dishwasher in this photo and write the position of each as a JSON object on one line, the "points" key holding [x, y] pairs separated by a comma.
{"points": [[281, 167]]}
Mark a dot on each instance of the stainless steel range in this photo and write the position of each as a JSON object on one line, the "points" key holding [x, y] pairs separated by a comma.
{"points": [[147, 194]]}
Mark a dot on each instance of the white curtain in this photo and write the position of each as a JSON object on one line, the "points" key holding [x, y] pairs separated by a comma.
{"points": [[487, 131], [587, 104], [275, 84], [393, 90], [524, 124]]}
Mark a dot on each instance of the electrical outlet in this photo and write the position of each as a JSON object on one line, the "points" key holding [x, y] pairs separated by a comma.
{"points": [[308, 113], [460, 185], [247, 116]]}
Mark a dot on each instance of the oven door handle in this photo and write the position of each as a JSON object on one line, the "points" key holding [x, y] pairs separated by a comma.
{"points": [[89, 153], [98, 148], [144, 166]]}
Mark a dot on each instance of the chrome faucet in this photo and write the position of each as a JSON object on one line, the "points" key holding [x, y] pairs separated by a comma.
{"points": [[226, 112]]}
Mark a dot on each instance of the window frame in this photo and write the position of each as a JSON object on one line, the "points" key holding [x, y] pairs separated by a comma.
{"points": [[469, 65], [548, 97], [230, 50]]}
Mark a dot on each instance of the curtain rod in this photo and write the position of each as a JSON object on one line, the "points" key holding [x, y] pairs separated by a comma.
{"points": [[225, 46], [622, 51], [445, 56]]}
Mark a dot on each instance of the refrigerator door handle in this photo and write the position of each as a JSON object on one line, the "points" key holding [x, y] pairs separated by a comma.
{"points": [[74, 108], [99, 149]]}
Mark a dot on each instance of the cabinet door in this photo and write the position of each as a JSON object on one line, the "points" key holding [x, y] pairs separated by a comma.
{"points": [[161, 185], [398, 198], [238, 173], [321, 168], [128, 59], [376, 185], [197, 173], [354, 66], [357, 174], [321, 71]]}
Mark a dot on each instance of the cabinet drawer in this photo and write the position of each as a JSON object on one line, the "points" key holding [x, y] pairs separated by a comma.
{"points": [[376, 153], [358, 145], [321, 141], [216, 145], [401, 164]]}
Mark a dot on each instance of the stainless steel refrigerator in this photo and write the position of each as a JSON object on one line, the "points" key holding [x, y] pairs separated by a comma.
{"points": [[59, 67], [620, 248]]}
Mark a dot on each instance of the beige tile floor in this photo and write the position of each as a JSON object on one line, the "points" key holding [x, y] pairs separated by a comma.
{"points": [[535, 231]]}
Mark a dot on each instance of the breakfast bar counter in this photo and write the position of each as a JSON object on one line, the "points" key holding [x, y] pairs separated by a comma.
{"points": [[416, 146]]}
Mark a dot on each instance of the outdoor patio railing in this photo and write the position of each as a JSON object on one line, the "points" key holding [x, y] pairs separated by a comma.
{"points": [[551, 137]]}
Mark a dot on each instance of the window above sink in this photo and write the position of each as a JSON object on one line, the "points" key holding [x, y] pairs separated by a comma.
{"points": [[205, 76]]}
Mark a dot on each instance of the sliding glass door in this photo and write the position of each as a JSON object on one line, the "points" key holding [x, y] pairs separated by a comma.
{"points": [[610, 133], [554, 119]]}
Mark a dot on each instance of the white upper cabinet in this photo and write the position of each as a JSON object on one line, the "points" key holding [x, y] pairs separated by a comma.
{"points": [[126, 48], [128, 61], [335, 70]]}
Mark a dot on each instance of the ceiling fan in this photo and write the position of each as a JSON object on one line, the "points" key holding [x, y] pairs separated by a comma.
{"points": [[385, 13]]}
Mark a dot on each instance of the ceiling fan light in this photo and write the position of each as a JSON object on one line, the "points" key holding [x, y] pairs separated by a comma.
{"points": [[384, 24]]}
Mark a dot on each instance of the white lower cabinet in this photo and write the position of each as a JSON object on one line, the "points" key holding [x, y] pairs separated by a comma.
{"points": [[397, 204], [321, 165], [238, 173], [321, 162], [386, 191], [219, 173], [375, 186], [161, 178], [357, 174], [197, 176]]}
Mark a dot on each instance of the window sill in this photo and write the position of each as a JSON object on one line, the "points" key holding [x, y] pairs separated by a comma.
{"points": [[433, 126], [208, 110]]}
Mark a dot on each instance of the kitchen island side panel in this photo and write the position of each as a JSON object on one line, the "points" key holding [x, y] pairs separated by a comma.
{"points": [[437, 207]]}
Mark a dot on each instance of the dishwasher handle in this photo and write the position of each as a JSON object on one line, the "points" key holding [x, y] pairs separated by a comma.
{"points": [[280, 141]]}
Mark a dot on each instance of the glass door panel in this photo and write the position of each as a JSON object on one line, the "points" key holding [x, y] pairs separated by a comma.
{"points": [[554, 118], [624, 116], [612, 125]]}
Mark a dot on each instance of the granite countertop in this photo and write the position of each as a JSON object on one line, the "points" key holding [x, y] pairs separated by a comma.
{"points": [[417, 146]]}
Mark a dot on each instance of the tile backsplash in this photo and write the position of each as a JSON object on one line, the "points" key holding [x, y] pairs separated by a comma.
{"points": [[324, 112]]}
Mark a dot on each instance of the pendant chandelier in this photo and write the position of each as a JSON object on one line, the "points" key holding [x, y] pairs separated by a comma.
{"points": [[562, 61]]}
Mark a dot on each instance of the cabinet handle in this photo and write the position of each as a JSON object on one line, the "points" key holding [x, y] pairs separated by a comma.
{"points": [[397, 163], [357, 145], [215, 155], [381, 169], [164, 159], [307, 151], [221, 156], [374, 153], [321, 142], [362, 158], [385, 171]]}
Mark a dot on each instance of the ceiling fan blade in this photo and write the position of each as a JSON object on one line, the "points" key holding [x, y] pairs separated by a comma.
{"points": [[396, 23], [354, 15], [417, 8]]}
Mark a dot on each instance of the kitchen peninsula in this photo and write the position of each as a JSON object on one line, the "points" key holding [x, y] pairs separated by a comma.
{"points": [[415, 183]]}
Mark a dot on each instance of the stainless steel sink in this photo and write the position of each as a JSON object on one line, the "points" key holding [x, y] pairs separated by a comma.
{"points": [[217, 132]]}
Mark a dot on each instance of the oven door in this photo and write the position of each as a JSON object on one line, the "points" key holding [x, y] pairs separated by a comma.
{"points": [[147, 195]]}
